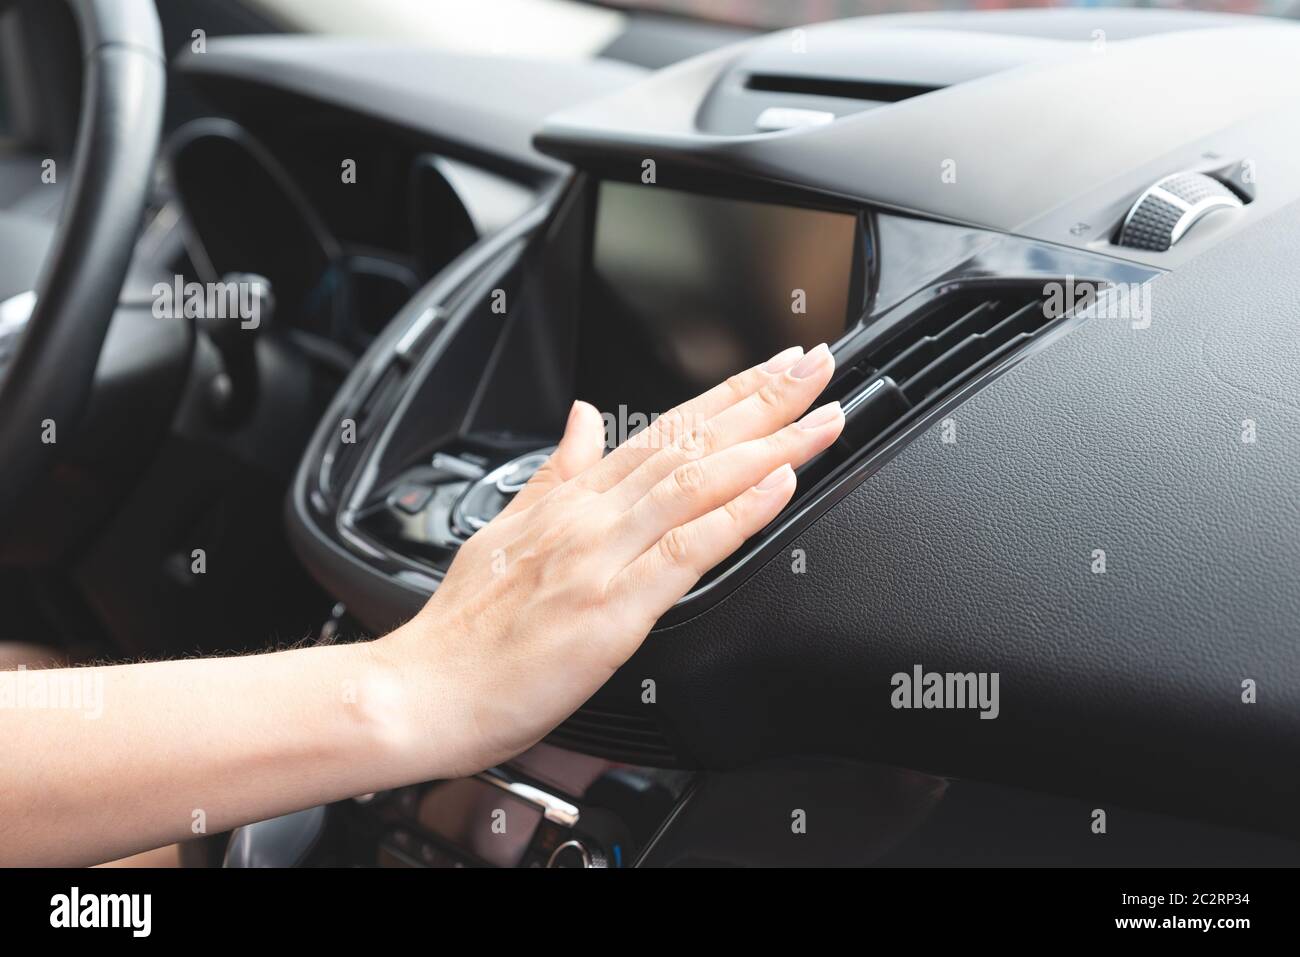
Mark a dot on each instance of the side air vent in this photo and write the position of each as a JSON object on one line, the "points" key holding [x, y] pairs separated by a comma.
{"points": [[367, 417], [946, 345], [630, 738], [956, 339], [919, 360]]}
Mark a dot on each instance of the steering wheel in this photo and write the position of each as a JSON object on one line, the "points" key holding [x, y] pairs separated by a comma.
{"points": [[58, 338]]}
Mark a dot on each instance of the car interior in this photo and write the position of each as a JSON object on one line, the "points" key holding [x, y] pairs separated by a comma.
{"points": [[1054, 253]]}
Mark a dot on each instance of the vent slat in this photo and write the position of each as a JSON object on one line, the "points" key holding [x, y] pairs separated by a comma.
{"points": [[931, 326], [631, 719], [630, 738], [955, 365], [971, 352], [634, 736], [939, 341], [612, 744], [626, 722], [614, 751], [950, 340]]}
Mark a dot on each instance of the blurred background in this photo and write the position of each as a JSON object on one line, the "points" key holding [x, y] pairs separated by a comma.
{"points": [[763, 14], [787, 13], [568, 29]]}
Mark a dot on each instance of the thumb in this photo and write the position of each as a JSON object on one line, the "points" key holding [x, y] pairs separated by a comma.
{"points": [[581, 447]]}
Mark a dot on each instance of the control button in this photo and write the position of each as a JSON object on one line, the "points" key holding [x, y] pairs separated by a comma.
{"points": [[455, 465], [576, 854], [410, 499]]}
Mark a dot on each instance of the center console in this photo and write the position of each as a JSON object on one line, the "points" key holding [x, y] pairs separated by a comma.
{"points": [[635, 296]]}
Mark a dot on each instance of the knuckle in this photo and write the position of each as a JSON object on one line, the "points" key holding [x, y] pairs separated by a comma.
{"points": [[777, 443], [737, 386], [769, 396], [700, 440], [689, 478], [675, 547], [735, 510], [666, 428]]}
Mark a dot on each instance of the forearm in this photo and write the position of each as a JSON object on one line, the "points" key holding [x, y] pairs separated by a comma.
{"points": [[160, 752]]}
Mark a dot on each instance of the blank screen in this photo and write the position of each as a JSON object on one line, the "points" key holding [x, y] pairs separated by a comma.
{"points": [[685, 290]]}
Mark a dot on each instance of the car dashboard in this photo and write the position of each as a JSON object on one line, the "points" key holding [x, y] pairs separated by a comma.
{"points": [[1037, 251]]}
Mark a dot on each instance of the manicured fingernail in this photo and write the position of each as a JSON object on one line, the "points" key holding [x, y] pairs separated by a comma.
{"points": [[776, 479], [823, 415], [811, 362], [783, 360]]}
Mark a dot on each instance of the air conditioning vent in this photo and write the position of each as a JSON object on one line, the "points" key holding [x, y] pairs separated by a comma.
{"points": [[633, 739], [956, 339], [924, 357], [948, 343]]}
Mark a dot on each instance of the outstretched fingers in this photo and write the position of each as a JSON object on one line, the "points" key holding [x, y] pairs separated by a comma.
{"points": [[699, 486], [681, 556], [777, 402], [672, 425]]}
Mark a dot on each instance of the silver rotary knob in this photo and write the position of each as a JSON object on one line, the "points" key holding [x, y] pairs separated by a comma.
{"points": [[575, 853], [485, 499], [1170, 207]]}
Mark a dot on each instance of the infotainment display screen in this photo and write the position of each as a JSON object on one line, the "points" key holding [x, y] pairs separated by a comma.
{"points": [[683, 290]]}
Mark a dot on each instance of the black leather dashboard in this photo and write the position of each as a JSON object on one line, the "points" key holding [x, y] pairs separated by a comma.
{"points": [[978, 556], [1170, 679]]}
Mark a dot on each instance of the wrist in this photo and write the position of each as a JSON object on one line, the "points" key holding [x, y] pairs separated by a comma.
{"points": [[416, 720]]}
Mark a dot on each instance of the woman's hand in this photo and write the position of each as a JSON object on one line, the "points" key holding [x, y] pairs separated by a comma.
{"points": [[545, 602], [537, 611]]}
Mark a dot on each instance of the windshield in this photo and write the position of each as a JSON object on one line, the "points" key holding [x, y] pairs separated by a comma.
{"points": [[789, 13], [569, 29]]}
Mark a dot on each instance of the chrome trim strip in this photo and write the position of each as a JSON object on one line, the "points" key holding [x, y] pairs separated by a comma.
{"points": [[16, 311], [853, 401], [405, 347], [554, 809], [582, 849], [1198, 210]]}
